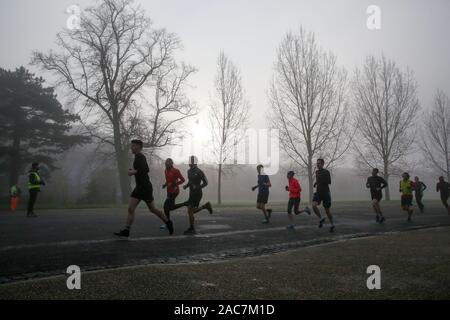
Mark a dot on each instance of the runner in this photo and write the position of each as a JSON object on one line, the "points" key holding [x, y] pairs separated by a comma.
{"points": [[294, 190], [34, 187], [143, 191], [376, 185], [322, 194], [406, 189], [196, 182], [419, 188], [444, 188], [174, 178], [263, 193]]}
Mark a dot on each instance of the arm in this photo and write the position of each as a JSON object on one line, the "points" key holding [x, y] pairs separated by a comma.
{"points": [[267, 183], [424, 187], [180, 178], [384, 184], [204, 181], [367, 183]]}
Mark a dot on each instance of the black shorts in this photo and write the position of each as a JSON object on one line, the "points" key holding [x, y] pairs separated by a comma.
{"points": [[406, 201], [376, 195], [293, 203], [194, 199], [169, 204], [324, 198], [144, 193], [262, 197]]}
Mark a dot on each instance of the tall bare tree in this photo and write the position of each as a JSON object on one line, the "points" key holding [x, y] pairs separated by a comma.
{"points": [[107, 63], [309, 103], [435, 142], [228, 115], [386, 106]]}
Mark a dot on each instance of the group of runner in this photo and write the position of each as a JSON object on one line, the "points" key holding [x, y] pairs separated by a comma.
{"points": [[322, 196], [143, 191], [197, 180]]}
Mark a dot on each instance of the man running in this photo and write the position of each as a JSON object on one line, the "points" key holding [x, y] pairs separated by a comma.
{"points": [[322, 194], [263, 193], [376, 185], [196, 182], [34, 187], [419, 188], [444, 188], [406, 190], [142, 192], [174, 178], [294, 190]]}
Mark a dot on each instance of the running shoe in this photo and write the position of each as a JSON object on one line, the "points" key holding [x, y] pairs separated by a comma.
{"points": [[290, 227], [308, 210], [190, 232], [169, 225], [265, 221], [321, 222], [162, 227], [332, 229], [209, 207], [124, 233], [382, 219]]}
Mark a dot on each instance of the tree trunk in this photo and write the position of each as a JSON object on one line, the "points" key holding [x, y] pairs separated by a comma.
{"points": [[122, 163], [15, 158], [219, 185], [310, 182], [124, 180], [387, 192]]}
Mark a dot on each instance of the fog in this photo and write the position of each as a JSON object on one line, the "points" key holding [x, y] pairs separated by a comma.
{"points": [[414, 34]]}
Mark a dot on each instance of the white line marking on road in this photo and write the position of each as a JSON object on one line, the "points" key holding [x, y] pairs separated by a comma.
{"points": [[202, 235]]}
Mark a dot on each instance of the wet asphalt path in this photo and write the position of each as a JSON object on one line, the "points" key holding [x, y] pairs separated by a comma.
{"points": [[47, 245]]}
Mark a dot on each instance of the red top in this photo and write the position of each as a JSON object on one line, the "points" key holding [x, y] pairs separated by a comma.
{"points": [[173, 179], [294, 188]]}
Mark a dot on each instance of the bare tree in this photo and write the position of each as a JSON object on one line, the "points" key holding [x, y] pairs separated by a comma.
{"points": [[107, 63], [308, 100], [386, 106], [435, 143], [228, 115]]}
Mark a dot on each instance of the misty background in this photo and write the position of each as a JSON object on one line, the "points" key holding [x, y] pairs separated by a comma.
{"points": [[414, 34]]}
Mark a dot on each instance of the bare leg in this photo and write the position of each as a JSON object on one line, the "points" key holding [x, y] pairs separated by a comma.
{"points": [[291, 218], [377, 208], [132, 205], [191, 216], [329, 215], [156, 211], [316, 210]]}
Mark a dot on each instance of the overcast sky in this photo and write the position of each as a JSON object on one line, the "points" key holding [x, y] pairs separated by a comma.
{"points": [[413, 33]]}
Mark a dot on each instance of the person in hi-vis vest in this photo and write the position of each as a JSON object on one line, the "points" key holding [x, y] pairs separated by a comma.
{"points": [[14, 194], [34, 186]]}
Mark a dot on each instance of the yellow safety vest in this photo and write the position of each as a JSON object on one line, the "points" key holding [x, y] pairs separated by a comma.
{"points": [[38, 182], [406, 187]]}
